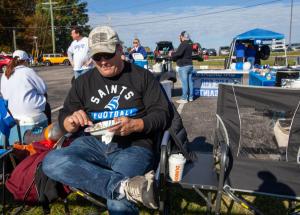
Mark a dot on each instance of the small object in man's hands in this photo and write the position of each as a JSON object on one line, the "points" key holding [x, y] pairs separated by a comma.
{"points": [[97, 128]]}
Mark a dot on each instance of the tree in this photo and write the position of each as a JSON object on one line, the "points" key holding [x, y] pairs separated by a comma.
{"points": [[12, 17], [31, 18], [69, 13]]}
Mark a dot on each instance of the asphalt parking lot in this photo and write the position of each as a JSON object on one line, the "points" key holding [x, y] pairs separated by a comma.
{"points": [[198, 116]]}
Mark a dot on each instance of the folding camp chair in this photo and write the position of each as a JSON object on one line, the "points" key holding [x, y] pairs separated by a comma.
{"points": [[199, 175], [6, 122], [260, 142]]}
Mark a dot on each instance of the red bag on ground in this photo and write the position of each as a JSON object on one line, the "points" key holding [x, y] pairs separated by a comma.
{"points": [[22, 178], [27, 174]]}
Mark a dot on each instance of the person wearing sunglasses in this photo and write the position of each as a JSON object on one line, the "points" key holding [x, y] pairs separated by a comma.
{"points": [[137, 48], [119, 171]]}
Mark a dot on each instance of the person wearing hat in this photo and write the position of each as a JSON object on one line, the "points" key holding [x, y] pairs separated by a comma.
{"points": [[26, 94], [183, 58], [24, 89], [118, 169]]}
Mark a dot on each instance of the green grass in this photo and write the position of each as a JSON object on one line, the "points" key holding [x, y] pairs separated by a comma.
{"points": [[182, 202]]}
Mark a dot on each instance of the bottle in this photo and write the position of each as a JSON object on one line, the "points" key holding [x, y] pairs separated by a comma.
{"points": [[51, 133]]}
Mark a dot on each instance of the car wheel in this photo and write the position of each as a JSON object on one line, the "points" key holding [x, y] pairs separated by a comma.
{"points": [[48, 63], [66, 62], [3, 69]]}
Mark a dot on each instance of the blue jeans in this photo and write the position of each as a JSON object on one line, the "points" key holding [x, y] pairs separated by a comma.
{"points": [[251, 60], [185, 75], [95, 167], [77, 73]]}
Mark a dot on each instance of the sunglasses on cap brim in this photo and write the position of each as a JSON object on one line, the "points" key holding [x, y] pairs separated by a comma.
{"points": [[105, 56]]}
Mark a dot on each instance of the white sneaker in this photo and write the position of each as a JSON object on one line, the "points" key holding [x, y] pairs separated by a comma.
{"points": [[191, 99], [182, 101]]}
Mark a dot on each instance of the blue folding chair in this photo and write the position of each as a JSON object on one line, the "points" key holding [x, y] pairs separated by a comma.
{"points": [[6, 123]]}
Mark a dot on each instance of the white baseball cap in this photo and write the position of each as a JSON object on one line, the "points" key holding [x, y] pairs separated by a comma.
{"points": [[21, 55]]}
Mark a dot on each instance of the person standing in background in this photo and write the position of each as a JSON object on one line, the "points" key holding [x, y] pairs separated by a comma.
{"points": [[137, 48], [250, 54], [240, 51], [183, 58], [78, 53]]}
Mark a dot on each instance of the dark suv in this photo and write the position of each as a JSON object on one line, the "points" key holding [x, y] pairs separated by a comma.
{"points": [[162, 50]]}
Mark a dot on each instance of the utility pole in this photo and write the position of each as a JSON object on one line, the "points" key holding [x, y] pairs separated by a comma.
{"points": [[14, 40], [52, 24], [52, 27], [291, 21]]}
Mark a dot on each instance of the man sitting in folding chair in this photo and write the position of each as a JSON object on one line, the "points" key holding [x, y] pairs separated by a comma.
{"points": [[129, 100]]}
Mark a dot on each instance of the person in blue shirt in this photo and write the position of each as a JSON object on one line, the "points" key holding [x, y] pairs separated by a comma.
{"points": [[137, 48], [240, 51]]}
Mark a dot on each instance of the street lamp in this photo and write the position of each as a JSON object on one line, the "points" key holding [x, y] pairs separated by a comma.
{"points": [[36, 48], [291, 21]]}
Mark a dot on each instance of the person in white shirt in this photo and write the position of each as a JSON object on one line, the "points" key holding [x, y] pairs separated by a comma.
{"points": [[78, 53], [24, 90]]}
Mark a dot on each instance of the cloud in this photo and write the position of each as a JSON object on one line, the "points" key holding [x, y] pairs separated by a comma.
{"points": [[211, 31]]}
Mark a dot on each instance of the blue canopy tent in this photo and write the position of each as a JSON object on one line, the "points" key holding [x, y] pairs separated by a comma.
{"points": [[258, 36]]}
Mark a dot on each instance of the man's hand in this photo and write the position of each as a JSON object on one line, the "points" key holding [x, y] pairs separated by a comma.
{"points": [[127, 126], [77, 119], [132, 50]]}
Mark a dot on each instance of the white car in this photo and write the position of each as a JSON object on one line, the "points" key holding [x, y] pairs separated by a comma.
{"points": [[294, 47], [277, 46]]}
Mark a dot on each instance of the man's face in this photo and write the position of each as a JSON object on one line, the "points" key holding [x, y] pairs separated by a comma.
{"points": [[109, 65], [180, 38], [74, 35]]}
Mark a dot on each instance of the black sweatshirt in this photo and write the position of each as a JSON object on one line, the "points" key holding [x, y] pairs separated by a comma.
{"points": [[183, 54], [134, 93]]}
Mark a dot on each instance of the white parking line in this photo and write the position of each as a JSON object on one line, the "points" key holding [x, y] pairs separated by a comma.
{"points": [[56, 109], [180, 107]]}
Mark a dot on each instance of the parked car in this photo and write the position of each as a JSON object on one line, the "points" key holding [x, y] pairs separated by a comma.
{"points": [[224, 50], [4, 61], [50, 59], [197, 53], [277, 46], [204, 51], [162, 49], [211, 52], [293, 47]]}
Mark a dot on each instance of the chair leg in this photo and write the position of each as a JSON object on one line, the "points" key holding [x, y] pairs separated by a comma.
{"points": [[3, 185], [218, 202], [241, 201], [209, 198], [66, 206], [164, 206]]}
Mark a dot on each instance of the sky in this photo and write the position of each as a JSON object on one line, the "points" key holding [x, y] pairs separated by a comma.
{"points": [[212, 23]]}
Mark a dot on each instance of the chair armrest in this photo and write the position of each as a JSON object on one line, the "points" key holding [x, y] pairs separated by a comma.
{"points": [[4, 152], [61, 140], [164, 148]]}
